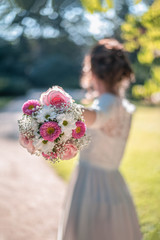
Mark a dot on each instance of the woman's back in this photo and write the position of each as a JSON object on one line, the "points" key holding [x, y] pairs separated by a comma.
{"points": [[100, 206], [109, 132]]}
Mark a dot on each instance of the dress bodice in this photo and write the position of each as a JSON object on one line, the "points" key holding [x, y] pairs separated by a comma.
{"points": [[109, 132]]}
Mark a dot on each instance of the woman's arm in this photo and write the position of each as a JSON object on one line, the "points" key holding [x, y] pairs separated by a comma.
{"points": [[89, 116]]}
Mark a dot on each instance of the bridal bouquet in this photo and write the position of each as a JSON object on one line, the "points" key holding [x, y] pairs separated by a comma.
{"points": [[53, 126]]}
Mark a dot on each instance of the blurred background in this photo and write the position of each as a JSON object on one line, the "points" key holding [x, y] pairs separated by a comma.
{"points": [[43, 43]]}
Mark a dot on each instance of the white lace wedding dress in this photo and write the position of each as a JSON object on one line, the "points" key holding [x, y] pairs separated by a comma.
{"points": [[99, 205]]}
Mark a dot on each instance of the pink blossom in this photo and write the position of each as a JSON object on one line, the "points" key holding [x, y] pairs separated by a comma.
{"points": [[49, 156], [80, 130], [70, 151], [50, 131], [55, 97], [30, 106], [27, 143]]}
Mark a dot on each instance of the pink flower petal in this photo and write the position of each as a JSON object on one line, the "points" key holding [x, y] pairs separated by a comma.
{"points": [[49, 156], [80, 130], [69, 152], [55, 97], [27, 143], [50, 131], [30, 106]]}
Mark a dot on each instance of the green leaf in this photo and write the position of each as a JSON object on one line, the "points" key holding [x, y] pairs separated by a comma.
{"points": [[31, 5], [93, 6], [110, 3], [137, 1], [57, 4], [24, 4]]}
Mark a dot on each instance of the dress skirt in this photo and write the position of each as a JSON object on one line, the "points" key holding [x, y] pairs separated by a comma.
{"points": [[99, 207]]}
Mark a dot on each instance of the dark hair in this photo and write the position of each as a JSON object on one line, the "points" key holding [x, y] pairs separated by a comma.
{"points": [[109, 63]]}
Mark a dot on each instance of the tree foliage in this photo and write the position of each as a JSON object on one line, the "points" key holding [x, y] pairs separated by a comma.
{"points": [[142, 34], [96, 5], [52, 13], [90, 5], [38, 63], [32, 58]]}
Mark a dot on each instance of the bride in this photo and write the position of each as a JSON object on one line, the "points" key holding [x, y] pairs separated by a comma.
{"points": [[99, 204]]}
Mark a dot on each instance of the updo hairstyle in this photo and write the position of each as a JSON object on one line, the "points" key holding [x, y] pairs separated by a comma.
{"points": [[109, 63]]}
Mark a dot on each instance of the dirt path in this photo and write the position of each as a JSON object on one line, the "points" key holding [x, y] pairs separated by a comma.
{"points": [[31, 194]]}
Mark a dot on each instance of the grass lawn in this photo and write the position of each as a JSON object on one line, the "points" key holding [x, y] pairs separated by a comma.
{"points": [[140, 167]]}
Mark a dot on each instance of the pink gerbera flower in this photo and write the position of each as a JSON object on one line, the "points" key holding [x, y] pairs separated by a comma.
{"points": [[30, 106], [80, 130], [50, 131]]}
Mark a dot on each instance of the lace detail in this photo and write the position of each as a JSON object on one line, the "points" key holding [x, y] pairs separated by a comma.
{"points": [[114, 126], [109, 132]]}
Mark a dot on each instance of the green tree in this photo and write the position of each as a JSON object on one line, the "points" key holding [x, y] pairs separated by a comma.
{"points": [[63, 18], [91, 5], [142, 34], [32, 57]]}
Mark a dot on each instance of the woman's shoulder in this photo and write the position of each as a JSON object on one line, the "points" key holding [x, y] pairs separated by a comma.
{"points": [[113, 109], [104, 101], [109, 101]]}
